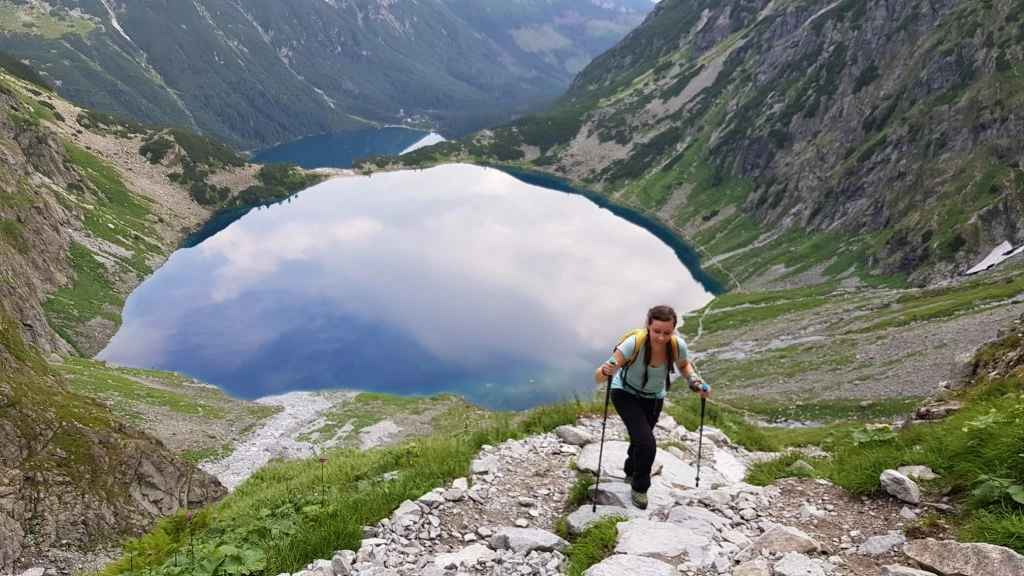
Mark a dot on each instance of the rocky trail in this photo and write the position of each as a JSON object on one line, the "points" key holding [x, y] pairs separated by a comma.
{"points": [[277, 437], [503, 519]]}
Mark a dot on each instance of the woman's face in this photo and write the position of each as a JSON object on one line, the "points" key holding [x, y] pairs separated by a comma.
{"points": [[660, 331]]}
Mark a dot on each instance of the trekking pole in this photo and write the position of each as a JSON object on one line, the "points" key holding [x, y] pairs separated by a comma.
{"points": [[600, 451], [700, 439]]}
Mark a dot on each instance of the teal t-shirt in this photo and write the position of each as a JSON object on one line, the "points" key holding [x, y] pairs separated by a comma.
{"points": [[635, 373]]}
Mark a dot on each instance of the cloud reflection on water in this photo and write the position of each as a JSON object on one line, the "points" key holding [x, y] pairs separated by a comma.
{"points": [[447, 279]]}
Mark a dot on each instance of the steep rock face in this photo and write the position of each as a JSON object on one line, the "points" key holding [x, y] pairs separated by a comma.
{"points": [[36, 225], [876, 146], [11, 536], [853, 135], [70, 472]]}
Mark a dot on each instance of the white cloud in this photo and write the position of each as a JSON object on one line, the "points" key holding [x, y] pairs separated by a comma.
{"points": [[469, 262]]}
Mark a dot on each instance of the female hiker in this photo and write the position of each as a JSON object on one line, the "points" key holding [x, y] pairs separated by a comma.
{"points": [[638, 390]]}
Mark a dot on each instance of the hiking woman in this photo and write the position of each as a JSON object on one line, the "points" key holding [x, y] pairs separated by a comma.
{"points": [[638, 391]]}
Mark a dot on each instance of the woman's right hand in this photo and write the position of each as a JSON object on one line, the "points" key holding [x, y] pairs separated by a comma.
{"points": [[606, 370], [609, 368]]}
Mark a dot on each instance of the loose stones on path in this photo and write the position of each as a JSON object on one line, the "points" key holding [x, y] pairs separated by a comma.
{"points": [[500, 521]]}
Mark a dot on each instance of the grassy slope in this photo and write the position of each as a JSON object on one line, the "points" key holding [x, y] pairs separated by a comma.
{"points": [[121, 221], [158, 402], [290, 512], [821, 341], [417, 415], [976, 452]]}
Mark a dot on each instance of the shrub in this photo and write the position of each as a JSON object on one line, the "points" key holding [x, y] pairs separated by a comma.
{"points": [[205, 150], [156, 149], [868, 75]]}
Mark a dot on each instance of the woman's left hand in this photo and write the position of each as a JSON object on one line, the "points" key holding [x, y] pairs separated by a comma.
{"points": [[700, 386]]}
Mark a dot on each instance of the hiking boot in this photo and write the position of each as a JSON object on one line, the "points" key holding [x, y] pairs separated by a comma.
{"points": [[639, 499]]}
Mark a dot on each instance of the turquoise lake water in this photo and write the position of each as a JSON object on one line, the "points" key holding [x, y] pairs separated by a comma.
{"points": [[451, 279], [338, 150]]}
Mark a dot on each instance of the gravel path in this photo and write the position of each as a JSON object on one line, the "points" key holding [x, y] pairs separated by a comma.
{"points": [[275, 438]]}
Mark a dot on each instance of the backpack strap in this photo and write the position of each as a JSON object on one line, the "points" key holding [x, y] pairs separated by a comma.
{"points": [[641, 334], [671, 368]]}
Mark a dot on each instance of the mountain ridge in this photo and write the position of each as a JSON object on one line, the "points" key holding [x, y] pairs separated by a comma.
{"points": [[836, 137], [256, 73]]}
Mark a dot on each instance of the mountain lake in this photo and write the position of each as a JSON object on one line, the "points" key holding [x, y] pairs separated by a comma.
{"points": [[338, 150], [507, 288]]}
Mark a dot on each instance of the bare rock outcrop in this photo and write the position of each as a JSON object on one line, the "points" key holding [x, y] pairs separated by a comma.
{"points": [[11, 535], [951, 558], [111, 481]]}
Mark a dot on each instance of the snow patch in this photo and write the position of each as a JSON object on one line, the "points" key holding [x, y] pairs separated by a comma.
{"points": [[1002, 252], [428, 140], [115, 23], [819, 13]]}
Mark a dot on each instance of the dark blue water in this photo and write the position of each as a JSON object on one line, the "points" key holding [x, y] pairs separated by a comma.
{"points": [[340, 149], [452, 279]]}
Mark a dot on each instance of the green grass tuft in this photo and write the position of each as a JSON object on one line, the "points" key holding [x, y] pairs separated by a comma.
{"points": [[768, 471], [1004, 525], [96, 380], [976, 454], [596, 543], [579, 493]]}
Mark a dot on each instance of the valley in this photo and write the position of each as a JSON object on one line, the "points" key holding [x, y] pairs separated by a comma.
{"points": [[255, 75], [838, 167]]}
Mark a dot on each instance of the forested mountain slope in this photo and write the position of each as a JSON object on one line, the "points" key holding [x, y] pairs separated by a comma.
{"points": [[797, 140], [253, 73]]}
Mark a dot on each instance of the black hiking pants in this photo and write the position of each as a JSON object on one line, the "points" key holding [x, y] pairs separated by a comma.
{"points": [[639, 415]]}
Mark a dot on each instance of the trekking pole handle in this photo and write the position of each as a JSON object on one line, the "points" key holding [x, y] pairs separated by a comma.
{"points": [[613, 363], [705, 387]]}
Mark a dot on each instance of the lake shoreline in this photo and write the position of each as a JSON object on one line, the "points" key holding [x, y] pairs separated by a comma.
{"points": [[330, 240]]}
